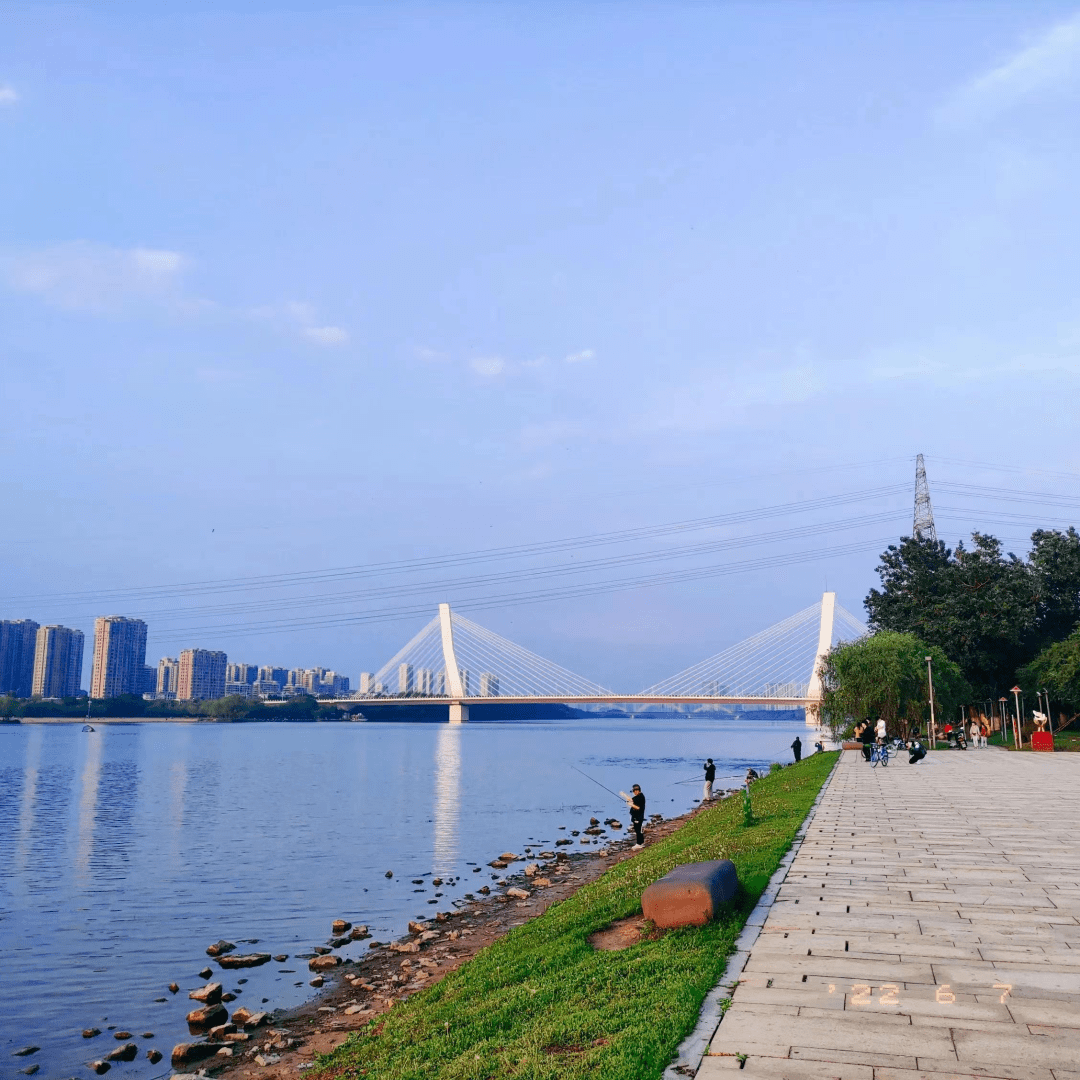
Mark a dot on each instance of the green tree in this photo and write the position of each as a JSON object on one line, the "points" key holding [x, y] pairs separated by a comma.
{"points": [[1057, 670], [884, 675], [1055, 563]]}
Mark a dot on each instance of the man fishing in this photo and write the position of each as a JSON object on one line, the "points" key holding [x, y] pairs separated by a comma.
{"points": [[636, 802], [710, 776]]}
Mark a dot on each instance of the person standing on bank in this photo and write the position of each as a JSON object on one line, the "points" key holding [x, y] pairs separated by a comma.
{"points": [[710, 776], [637, 814], [796, 749]]}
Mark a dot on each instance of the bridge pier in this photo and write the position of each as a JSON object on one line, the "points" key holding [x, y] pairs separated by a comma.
{"points": [[459, 713]]}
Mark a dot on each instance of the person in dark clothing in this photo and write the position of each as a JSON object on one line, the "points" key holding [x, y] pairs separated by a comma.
{"points": [[710, 776], [637, 814], [867, 739], [916, 752], [796, 749]]}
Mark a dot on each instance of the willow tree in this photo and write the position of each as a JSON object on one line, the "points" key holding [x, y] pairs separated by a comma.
{"points": [[884, 675]]}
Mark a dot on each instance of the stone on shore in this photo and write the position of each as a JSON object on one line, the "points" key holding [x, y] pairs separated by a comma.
{"points": [[267, 1059], [210, 994], [498, 864], [89, 1033], [485, 889], [340, 926], [189, 1053], [417, 926], [520, 894], [563, 842], [691, 894], [153, 1056], [317, 981], [30, 1070], [338, 942], [173, 988], [542, 882], [26, 1051], [532, 869], [127, 1052], [207, 1017], [245, 960], [509, 856], [404, 946], [358, 933], [323, 963], [119, 1036], [389, 873], [218, 1033], [219, 948], [281, 958], [99, 1067], [246, 1019]]}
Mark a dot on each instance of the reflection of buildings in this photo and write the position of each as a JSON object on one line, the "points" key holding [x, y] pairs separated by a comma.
{"points": [[88, 798], [119, 656], [447, 798], [58, 661]]}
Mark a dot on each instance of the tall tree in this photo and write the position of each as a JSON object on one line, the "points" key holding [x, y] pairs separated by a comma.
{"points": [[1057, 671], [1055, 562]]}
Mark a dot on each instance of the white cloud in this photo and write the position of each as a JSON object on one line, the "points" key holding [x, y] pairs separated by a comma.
{"points": [[8, 94], [431, 355], [326, 335], [96, 278], [1048, 65], [488, 365], [580, 357]]}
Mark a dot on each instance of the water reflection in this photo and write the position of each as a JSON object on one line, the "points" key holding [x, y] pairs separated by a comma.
{"points": [[88, 796], [29, 799], [447, 797], [113, 834]]}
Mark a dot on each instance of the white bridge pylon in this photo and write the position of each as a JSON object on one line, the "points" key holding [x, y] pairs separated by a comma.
{"points": [[455, 661]]}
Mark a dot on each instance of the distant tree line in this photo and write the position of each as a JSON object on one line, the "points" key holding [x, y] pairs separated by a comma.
{"points": [[987, 618], [133, 706]]}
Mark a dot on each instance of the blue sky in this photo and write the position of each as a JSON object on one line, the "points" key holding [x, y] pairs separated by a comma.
{"points": [[293, 286]]}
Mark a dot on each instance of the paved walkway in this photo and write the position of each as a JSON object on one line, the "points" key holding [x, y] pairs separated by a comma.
{"points": [[928, 927]]}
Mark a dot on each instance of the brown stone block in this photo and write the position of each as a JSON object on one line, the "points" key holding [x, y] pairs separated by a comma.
{"points": [[691, 894]]}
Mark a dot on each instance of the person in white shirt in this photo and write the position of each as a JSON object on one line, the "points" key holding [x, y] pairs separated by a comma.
{"points": [[975, 740], [879, 729]]}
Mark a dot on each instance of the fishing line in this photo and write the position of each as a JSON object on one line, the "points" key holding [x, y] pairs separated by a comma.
{"points": [[596, 782]]}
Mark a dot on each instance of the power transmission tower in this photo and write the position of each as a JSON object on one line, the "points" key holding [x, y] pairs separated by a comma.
{"points": [[923, 529]]}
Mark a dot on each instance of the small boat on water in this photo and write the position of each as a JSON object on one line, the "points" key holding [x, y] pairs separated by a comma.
{"points": [[87, 727]]}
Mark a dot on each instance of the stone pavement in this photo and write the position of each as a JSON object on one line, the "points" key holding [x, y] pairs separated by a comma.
{"points": [[929, 926]]}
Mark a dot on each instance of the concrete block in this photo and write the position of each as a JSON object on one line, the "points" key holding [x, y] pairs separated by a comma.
{"points": [[691, 894]]}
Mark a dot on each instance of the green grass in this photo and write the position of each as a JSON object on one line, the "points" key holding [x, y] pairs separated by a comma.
{"points": [[542, 1004], [1064, 741]]}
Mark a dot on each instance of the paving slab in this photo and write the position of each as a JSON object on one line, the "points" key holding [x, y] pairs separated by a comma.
{"points": [[928, 927]]}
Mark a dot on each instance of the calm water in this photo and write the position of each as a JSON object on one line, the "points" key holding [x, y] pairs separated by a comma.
{"points": [[126, 851]]}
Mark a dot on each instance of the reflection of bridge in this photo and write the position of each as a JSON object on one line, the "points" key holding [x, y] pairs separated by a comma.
{"points": [[777, 667]]}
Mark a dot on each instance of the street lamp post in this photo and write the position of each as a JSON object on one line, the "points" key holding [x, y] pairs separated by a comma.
{"points": [[1004, 731], [1019, 729], [1049, 721], [930, 683]]}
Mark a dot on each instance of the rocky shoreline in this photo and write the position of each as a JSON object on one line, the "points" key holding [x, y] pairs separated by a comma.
{"points": [[282, 1044]]}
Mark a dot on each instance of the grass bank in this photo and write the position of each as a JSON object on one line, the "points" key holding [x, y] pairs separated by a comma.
{"points": [[541, 1004]]}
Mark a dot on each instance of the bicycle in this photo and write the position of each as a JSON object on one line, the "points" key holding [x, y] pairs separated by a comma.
{"points": [[879, 753]]}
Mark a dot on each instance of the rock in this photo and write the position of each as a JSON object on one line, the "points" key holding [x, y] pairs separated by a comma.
{"points": [[246, 960], [238, 1036], [337, 942], [603, 853], [442, 916], [359, 933], [584, 840], [26, 1051], [244, 1018], [498, 864], [593, 831], [173, 988], [221, 1030], [188, 1053], [90, 1033], [219, 948], [317, 981], [154, 1056], [484, 889], [121, 1035], [531, 869], [389, 873], [615, 824], [210, 994], [147, 1034], [594, 821], [225, 1052], [205, 973], [418, 881], [563, 842], [99, 1067], [352, 1010], [323, 963], [574, 832], [436, 881], [521, 894], [428, 935], [267, 1059], [127, 1052], [321, 950], [417, 926], [30, 1070], [503, 899], [281, 958], [691, 894], [340, 926], [228, 996], [404, 946], [207, 1017], [541, 883]]}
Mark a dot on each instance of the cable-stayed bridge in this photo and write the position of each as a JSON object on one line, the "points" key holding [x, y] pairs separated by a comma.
{"points": [[454, 661]]}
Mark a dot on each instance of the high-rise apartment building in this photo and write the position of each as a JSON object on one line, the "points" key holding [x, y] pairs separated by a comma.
{"points": [[58, 660], [201, 676], [18, 640], [270, 673], [168, 675], [404, 678], [489, 684], [119, 656], [241, 673], [367, 682]]}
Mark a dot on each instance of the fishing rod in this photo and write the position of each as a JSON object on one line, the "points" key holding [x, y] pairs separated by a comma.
{"points": [[597, 783]]}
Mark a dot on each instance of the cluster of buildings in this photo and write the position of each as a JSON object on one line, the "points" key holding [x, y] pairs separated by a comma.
{"points": [[47, 662], [424, 682]]}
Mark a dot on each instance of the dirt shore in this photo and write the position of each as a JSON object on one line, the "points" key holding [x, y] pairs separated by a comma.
{"points": [[358, 991]]}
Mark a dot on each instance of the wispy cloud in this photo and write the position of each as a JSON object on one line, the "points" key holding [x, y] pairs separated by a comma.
{"points": [[580, 357], [8, 94], [95, 278], [326, 335], [1048, 65], [488, 366]]}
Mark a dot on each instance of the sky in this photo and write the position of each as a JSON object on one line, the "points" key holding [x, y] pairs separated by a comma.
{"points": [[292, 287]]}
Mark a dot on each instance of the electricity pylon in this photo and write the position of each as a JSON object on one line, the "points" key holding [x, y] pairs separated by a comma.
{"points": [[923, 528]]}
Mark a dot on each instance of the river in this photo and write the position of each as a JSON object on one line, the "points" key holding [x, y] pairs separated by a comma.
{"points": [[125, 851]]}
